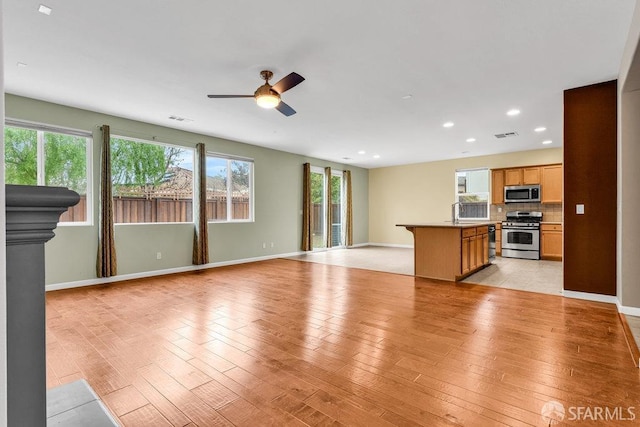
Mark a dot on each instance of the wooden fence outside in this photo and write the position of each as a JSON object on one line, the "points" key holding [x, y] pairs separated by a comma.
{"points": [[144, 209], [163, 209]]}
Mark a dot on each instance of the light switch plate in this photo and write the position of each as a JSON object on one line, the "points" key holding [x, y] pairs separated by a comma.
{"points": [[580, 209]]}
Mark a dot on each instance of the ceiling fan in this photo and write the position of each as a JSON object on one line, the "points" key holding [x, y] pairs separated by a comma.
{"points": [[268, 96]]}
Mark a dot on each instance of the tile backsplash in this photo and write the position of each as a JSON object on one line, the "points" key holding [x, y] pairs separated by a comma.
{"points": [[551, 212]]}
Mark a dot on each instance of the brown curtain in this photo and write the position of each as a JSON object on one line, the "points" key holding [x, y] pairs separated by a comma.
{"points": [[349, 209], [306, 208], [107, 265], [200, 233], [328, 205]]}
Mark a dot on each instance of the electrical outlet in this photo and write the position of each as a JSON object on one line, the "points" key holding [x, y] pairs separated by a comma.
{"points": [[158, 255], [264, 245], [272, 245]]}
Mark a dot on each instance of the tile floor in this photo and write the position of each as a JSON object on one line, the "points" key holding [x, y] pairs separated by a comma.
{"points": [[511, 273]]}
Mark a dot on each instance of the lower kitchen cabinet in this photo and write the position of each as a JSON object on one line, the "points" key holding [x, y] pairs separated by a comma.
{"points": [[498, 239], [551, 242], [449, 251], [475, 249]]}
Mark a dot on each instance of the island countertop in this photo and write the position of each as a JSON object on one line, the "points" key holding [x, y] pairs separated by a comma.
{"points": [[447, 224]]}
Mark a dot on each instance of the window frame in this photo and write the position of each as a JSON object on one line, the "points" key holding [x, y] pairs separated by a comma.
{"points": [[164, 144], [487, 193], [41, 129], [230, 158]]}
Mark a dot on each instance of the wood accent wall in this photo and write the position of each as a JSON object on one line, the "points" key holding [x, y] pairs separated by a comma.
{"points": [[590, 135]]}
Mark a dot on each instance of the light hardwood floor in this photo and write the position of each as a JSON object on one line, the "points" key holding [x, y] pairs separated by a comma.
{"points": [[285, 342]]}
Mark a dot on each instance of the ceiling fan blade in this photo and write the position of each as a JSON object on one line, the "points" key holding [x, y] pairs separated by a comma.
{"points": [[287, 82], [230, 96], [285, 109]]}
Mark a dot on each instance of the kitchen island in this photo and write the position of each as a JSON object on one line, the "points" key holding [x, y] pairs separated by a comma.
{"points": [[449, 251]]}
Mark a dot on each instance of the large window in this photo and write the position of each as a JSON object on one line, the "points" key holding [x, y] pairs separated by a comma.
{"points": [[42, 155], [152, 182], [229, 188], [472, 193]]}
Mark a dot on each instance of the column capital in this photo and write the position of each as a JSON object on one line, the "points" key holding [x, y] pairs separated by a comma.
{"points": [[32, 212]]}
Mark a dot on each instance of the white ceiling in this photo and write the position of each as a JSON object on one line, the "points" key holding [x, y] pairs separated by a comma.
{"points": [[466, 61]]}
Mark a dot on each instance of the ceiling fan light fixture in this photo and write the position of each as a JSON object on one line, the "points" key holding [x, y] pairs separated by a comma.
{"points": [[268, 100]]}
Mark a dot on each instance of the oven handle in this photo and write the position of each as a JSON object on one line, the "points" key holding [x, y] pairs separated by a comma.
{"points": [[520, 228]]}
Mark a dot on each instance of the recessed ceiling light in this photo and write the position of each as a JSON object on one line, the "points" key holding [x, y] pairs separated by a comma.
{"points": [[44, 9], [376, 156], [362, 152], [547, 142], [513, 112], [21, 65], [448, 124], [471, 140], [408, 96], [540, 129]]}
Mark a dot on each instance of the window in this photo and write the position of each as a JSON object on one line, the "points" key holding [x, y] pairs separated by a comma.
{"points": [[229, 188], [472, 192], [43, 155], [152, 182]]}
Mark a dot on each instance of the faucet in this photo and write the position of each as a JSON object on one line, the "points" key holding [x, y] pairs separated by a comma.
{"points": [[454, 219]]}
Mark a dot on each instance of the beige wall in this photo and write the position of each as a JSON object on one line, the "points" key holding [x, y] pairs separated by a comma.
{"points": [[628, 250], [424, 192], [71, 255]]}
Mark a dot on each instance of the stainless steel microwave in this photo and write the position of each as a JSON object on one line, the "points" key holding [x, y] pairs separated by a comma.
{"points": [[522, 194]]}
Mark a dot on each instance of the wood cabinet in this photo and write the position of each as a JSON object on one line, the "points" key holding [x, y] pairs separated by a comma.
{"points": [[449, 251], [551, 241], [475, 248], [549, 177], [499, 239], [551, 186], [465, 256], [531, 175], [513, 176], [497, 187], [485, 249]]}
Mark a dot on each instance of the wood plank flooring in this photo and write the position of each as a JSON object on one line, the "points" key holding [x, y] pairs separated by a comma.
{"points": [[285, 342]]}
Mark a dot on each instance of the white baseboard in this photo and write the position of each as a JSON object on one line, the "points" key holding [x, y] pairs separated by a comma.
{"points": [[122, 277], [389, 245], [591, 297], [631, 311]]}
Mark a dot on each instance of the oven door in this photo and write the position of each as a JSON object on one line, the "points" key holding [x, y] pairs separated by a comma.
{"points": [[521, 238]]}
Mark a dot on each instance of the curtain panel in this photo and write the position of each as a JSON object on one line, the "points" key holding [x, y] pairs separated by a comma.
{"points": [[201, 232], [107, 265], [306, 208]]}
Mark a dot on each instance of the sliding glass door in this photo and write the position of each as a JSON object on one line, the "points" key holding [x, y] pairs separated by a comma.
{"points": [[321, 210], [318, 214]]}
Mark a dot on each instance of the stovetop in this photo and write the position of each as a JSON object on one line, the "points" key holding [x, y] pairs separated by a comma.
{"points": [[523, 219]]}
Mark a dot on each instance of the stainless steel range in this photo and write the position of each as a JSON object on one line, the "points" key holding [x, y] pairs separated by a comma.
{"points": [[521, 235]]}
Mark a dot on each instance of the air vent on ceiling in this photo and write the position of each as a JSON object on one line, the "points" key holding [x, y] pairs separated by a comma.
{"points": [[506, 135], [180, 119]]}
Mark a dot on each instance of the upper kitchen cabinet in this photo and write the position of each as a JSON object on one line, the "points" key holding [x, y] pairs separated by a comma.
{"points": [[551, 186], [549, 177], [531, 175], [522, 176], [513, 176], [497, 187]]}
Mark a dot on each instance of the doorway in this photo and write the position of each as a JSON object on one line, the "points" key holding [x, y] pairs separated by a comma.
{"points": [[327, 234]]}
